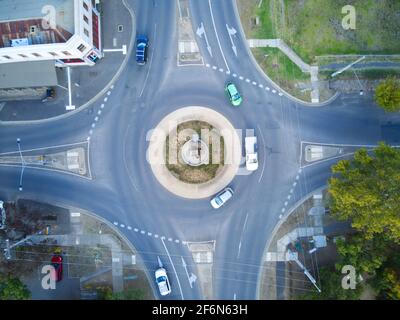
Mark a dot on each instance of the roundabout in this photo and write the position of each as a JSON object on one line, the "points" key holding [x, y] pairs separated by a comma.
{"points": [[194, 152]]}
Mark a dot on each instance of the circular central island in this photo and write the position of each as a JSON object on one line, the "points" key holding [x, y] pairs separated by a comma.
{"points": [[194, 152]]}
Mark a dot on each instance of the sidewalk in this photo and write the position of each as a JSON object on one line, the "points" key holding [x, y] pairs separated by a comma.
{"points": [[306, 68], [86, 82]]}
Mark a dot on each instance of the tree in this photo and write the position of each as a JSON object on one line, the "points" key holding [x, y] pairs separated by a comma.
{"points": [[13, 289], [366, 190], [387, 94], [106, 293], [366, 256], [331, 289]]}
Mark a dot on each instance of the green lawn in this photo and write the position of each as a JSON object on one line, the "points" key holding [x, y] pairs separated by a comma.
{"points": [[314, 27]]}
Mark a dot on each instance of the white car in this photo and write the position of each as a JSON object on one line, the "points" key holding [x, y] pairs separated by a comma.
{"points": [[251, 153], [2, 216], [162, 282], [221, 198]]}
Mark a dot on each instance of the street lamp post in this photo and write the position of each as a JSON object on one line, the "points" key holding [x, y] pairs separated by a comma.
{"points": [[22, 164]]}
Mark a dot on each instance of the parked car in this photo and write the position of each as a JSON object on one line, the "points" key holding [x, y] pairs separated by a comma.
{"points": [[50, 94], [57, 263], [221, 198], [233, 94], [2, 216], [142, 44], [162, 281], [251, 153]]}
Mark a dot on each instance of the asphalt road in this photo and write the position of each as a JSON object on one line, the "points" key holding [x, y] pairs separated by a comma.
{"points": [[125, 192]]}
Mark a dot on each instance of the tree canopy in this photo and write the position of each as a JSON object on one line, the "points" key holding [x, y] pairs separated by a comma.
{"points": [[13, 289], [366, 190], [387, 94]]}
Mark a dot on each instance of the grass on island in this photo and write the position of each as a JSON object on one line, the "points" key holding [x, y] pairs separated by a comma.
{"points": [[202, 173]]}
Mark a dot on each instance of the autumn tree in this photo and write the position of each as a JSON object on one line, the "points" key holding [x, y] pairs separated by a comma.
{"points": [[387, 94], [366, 191]]}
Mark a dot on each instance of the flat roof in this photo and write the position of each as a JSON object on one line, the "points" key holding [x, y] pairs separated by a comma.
{"points": [[28, 74], [17, 17]]}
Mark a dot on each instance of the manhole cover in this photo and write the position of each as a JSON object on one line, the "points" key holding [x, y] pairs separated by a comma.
{"points": [[120, 28]]}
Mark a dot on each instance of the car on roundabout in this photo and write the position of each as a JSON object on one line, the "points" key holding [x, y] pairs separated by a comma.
{"points": [[233, 94], [162, 281], [221, 198]]}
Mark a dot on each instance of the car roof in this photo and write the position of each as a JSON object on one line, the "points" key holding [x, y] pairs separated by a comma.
{"points": [[232, 88], [226, 195]]}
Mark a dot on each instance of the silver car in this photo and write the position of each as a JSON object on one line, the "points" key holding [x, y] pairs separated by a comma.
{"points": [[162, 281], [221, 198]]}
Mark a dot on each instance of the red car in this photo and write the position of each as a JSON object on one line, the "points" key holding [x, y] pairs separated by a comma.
{"points": [[56, 262]]}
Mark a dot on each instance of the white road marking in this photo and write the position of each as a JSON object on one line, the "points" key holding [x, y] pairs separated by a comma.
{"points": [[280, 94], [208, 65], [214, 67], [108, 93], [216, 34], [289, 196], [283, 210], [291, 191], [254, 83], [129, 228], [200, 31], [149, 234], [247, 80], [177, 241], [221, 70], [267, 88], [102, 106], [156, 235], [116, 223], [112, 87], [136, 230], [241, 78], [88, 138], [96, 119], [294, 184], [93, 125], [173, 267], [232, 32], [192, 278], [90, 131], [122, 225], [273, 91], [170, 239], [241, 235], [142, 231], [261, 86], [286, 203], [105, 99], [234, 75], [265, 156], [99, 112], [228, 72]]}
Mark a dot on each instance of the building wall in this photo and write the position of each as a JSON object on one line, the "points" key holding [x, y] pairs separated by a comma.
{"points": [[78, 47]]}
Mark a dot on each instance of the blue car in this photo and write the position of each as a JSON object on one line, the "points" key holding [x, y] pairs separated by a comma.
{"points": [[142, 44]]}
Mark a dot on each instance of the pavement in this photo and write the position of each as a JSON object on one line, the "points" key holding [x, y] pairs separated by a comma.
{"points": [[86, 82], [125, 192]]}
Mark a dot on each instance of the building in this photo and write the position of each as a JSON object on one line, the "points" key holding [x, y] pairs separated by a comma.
{"points": [[65, 31], [27, 80]]}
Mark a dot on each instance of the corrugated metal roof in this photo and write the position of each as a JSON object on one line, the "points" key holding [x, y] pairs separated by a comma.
{"points": [[28, 74]]}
